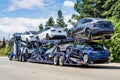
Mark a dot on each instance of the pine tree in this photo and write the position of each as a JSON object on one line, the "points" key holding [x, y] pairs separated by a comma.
{"points": [[50, 22], [40, 27], [60, 20], [112, 9], [3, 43], [89, 8]]}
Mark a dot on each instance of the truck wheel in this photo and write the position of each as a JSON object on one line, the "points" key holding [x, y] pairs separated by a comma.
{"points": [[23, 58], [20, 58], [61, 60], [10, 58], [55, 61]]}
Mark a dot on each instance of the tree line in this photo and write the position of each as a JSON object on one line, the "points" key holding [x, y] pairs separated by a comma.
{"points": [[50, 22]]}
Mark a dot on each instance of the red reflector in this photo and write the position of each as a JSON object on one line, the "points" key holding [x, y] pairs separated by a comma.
{"points": [[80, 63]]}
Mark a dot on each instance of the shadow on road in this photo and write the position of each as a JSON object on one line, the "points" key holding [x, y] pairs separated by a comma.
{"points": [[95, 66]]}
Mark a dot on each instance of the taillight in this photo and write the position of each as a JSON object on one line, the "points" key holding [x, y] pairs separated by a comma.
{"points": [[94, 24], [53, 30]]}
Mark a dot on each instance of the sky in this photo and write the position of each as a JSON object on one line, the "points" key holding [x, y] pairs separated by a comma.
{"points": [[23, 15]]}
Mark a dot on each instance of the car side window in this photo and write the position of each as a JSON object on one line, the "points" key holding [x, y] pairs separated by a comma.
{"points": [[45, 29], [88, 20], [82, 21], [24, 33], [86, 45], [27, 33]]}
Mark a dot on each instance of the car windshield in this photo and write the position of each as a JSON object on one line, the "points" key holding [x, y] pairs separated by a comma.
{"points": [[34, 32], [104, 24], [17, 34], [82, 45], [96, 46], [55, 26]]}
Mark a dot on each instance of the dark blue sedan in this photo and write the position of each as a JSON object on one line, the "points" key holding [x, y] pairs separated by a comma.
{"points": [[90, 52]]}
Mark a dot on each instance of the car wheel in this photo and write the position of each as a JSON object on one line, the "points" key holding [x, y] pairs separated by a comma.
{"points": [[55, 62], [67, 51], [88, 33], [85, 58], [47, 37], [61, 60], [26, 39]]}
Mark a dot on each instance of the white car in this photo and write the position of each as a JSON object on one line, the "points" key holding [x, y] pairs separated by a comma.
{"points": [[53, 32], [29, 36]]}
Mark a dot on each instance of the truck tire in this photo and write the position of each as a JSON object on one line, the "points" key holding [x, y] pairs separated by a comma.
{"points": [[23, 59], [61, 60], [55, 60]]}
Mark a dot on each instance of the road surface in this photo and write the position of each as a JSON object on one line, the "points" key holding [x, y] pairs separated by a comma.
{"points": [[13, 70]]}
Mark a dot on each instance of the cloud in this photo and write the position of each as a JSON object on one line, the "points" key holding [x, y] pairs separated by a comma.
{"points": [[28, 4], [68, 3], [11, 25]]}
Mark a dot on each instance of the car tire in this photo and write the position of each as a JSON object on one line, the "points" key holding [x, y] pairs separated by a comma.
{"points": [[47, 37], [61, 60], [26, 39], [85, 59], [67, 51], [55, 61], [88, 33]]}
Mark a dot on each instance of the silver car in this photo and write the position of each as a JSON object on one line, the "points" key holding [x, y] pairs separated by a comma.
{"points": [[90, 27]]}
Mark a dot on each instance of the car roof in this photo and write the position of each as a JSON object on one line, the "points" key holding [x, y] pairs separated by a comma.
{"points": [[53, 26], [97, 19]]}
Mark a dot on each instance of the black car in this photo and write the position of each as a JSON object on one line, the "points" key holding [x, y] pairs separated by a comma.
{"points": [[90, 27]]}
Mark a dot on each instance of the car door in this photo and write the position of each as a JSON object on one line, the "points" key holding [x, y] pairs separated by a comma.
{"points": [[79, 27], [86, 24], [83, 26]]}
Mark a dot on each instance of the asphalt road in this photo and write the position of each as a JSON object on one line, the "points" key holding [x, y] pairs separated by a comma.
{"points": [[13, 70]]}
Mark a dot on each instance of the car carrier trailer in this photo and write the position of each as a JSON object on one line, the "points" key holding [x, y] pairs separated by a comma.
{"points": [[40, 51]]}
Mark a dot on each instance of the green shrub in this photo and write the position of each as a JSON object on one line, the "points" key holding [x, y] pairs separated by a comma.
{"points": [[114, 43], [4, 51]]}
